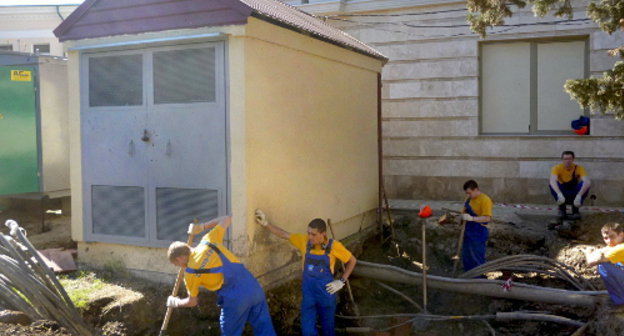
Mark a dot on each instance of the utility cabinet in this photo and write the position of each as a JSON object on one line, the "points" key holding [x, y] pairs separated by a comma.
{"points": [[34, 155]]}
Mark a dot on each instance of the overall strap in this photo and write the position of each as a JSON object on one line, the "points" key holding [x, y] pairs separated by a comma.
{"points": [[329, 247], [203, 270], [469, 209]]}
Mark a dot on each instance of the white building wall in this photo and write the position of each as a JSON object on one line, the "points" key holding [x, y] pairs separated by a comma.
{"points": [[23, 27], [431, 103]]}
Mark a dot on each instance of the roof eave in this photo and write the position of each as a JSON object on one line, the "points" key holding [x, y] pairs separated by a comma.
{"points": [[272, 20]]}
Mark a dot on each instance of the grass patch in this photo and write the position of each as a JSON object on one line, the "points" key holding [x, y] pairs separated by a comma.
{"points": [[81, 286]]}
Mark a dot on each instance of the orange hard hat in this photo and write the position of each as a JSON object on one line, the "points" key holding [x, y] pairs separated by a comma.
{"points": [[425, 212]]}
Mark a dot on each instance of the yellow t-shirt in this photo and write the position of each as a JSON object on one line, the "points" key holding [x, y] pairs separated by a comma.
{"points": [[204, 257], [565, 175], [300, 241], [615, 254], [482, 205]]}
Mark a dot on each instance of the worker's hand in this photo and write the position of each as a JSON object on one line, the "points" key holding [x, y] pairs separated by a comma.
{"points": [[560, 198], [195, 229], [174, 302], [577, 200], [467, 217], [261, 218], [334, 286]]}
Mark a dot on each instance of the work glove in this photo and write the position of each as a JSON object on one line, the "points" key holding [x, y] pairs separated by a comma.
{"points": [[467, 217], [560, 198], [261, 218], [174, 302], [577, 200], [194, 229], [334, 286]]}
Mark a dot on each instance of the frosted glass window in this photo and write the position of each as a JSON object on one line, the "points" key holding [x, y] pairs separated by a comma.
{"points": [[522, 86], [116, 80], [505, 90], [184, 76], [556, 63]]}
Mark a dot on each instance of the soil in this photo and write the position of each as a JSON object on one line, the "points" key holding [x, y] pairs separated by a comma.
{"points": [[133, 307], [43, 328]]}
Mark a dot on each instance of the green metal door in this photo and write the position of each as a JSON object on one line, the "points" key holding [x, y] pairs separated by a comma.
{"points": [[19, 158]]}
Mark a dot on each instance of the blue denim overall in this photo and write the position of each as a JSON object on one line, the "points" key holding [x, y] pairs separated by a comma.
{"points": [[240, 297], [316, 300], [613, 277], [570, 189], [475, 238]]}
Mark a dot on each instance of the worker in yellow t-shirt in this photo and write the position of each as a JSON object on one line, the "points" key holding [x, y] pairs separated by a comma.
{"points": [[477, 214], [212, 266], [569, 185], [318, 285], [610, 261]]}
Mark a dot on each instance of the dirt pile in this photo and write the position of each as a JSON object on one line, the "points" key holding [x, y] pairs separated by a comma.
{"points": [[132, 307], [530, 235], [42, 328]]}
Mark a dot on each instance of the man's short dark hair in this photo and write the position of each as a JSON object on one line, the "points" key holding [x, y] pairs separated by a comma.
{"points": [[567, 153], [318, 224], [471, 184]]}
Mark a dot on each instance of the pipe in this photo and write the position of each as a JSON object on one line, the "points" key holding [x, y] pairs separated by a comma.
{"points": [[481, 286]]}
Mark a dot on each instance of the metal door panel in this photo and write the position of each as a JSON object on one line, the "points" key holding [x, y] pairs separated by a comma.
{"points": [[176, 152], [19, 155], [114, 157], [189, 149]]}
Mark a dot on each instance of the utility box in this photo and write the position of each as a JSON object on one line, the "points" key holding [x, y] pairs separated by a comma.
{"points": [[34, 155]]}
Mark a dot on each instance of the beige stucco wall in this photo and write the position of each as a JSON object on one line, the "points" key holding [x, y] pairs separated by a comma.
{"points": [[54, 125], [302, 120], [430, 105], [310, 134]]}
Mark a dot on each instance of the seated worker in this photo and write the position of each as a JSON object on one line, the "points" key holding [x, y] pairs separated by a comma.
{"points": [[318, 284], [569, 185], [477, 214], [214, 267], [610, 261]]}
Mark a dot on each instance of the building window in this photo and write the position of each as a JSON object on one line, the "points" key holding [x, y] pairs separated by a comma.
{"points": [[41, 49], [522, 86], [4, 47]]}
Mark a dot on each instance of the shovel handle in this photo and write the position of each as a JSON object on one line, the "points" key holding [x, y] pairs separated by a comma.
{"points": [[174, 292]]}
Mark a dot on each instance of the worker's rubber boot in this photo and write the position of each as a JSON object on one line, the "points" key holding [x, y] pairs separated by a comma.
{"points": [[562, 212], [575, 213]]}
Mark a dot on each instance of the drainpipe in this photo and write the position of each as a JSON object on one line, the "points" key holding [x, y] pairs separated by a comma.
{"points": [[58, 12], [379, 158]]}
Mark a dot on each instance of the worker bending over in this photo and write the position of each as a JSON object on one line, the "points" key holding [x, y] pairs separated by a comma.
{"points": [[610, 261], [477, 214], [318, 284], [569, 185], [215, 268]]}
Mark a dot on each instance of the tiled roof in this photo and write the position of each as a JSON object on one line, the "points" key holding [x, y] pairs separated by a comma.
{"points": [[301, 20], [99, 18]]}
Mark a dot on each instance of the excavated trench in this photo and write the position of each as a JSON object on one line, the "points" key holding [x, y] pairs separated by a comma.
{"points": [[114, 314]]}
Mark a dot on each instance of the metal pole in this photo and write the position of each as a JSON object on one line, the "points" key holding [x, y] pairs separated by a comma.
{"points": [[424, 262], [355, 306]]}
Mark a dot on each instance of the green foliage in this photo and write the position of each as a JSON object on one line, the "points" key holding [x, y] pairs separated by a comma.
{"points": [[608, 14], [599, 94]]}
